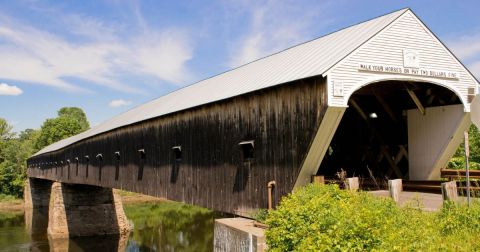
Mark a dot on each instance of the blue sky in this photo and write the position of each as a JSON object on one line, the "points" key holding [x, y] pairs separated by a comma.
{"points": [[109, 56]]}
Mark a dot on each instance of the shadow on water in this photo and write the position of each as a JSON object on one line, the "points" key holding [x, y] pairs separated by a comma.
{"points": [[165, 226]]}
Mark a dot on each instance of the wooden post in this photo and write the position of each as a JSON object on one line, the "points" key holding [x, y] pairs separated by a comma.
{"points": [[467, 155], [318, 179], [395, 187], [449, 191], [352, 184]]}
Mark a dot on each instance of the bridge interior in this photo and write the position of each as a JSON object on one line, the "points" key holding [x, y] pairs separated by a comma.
{"points": [[372, 140]]}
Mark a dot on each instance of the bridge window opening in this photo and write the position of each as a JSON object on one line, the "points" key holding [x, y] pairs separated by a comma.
{"points": [[68, 168], [247, 149], [177, 153], [87, 161], [100, 159], [117, 164], [76, 166], [372, 140], [142, 154], [177, 158], [142, 161]]}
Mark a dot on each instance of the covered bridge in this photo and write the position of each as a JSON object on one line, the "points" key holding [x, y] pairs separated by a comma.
{"points": [[383, 97]]}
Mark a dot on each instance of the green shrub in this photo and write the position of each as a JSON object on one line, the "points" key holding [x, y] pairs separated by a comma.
{"points": [[459, 163], [325, 218], [260, 215]]}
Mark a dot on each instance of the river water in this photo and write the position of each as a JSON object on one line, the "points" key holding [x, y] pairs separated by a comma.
{"points": [[164, 226]]}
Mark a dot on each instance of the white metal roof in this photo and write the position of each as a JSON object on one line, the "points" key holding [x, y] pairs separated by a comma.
{"points": [[309, 59]]}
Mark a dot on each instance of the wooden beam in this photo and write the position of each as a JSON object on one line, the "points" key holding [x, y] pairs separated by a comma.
{"points": [[359, 110], [402, 153], [403, 150], [385, 106], [430, 100], [390, 161], [416, 101]]}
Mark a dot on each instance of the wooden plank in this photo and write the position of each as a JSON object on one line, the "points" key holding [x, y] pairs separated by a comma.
{"points": [[416, 101], [282, 121], [449, 191], [395, 188], [352, 184], [390, 161], [318, 179], [446, 173], [359, 109]]}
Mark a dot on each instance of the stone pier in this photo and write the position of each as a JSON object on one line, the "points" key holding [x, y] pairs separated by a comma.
{"points": [[238, 234], [37, 193], [73, 210], [84, 210], [37, 198]]}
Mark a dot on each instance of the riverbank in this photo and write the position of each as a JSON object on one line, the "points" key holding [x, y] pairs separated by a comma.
{"points": [[130, 198], [10, 204]]}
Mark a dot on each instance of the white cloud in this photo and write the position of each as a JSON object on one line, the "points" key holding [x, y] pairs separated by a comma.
{"points": [[162, 55], [274, 26], [119, 103], [36, 56], [6, 89]]}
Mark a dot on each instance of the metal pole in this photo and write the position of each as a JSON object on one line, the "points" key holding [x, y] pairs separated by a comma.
{"points": [[467, 154]]}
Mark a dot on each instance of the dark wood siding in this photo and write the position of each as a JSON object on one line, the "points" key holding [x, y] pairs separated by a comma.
{"points": [[212, 172]]}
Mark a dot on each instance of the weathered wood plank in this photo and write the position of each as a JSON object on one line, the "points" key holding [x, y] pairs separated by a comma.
{"points": [[212, 172]]}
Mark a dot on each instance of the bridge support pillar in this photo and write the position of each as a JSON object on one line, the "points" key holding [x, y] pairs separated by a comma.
{"points": [[238, 234], [36, 198], [84, 210], [37, 193]]}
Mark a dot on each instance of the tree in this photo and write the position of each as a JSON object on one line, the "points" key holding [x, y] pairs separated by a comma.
{"points": [[70, 121], [458, 159], [5, 135], [14, 151], [77, 114], [5, 130]]}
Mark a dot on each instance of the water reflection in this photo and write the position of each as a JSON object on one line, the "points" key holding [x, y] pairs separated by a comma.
{"points": [[36, 223], [162, 226], [90, 243], [170, 227], [12, 233]]}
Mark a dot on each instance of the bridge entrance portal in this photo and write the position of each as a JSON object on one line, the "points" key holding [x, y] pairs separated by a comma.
{"points": [[396, 129]]}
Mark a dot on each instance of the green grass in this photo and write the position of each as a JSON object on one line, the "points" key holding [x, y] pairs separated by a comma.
{"points": [[9, 199]]}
